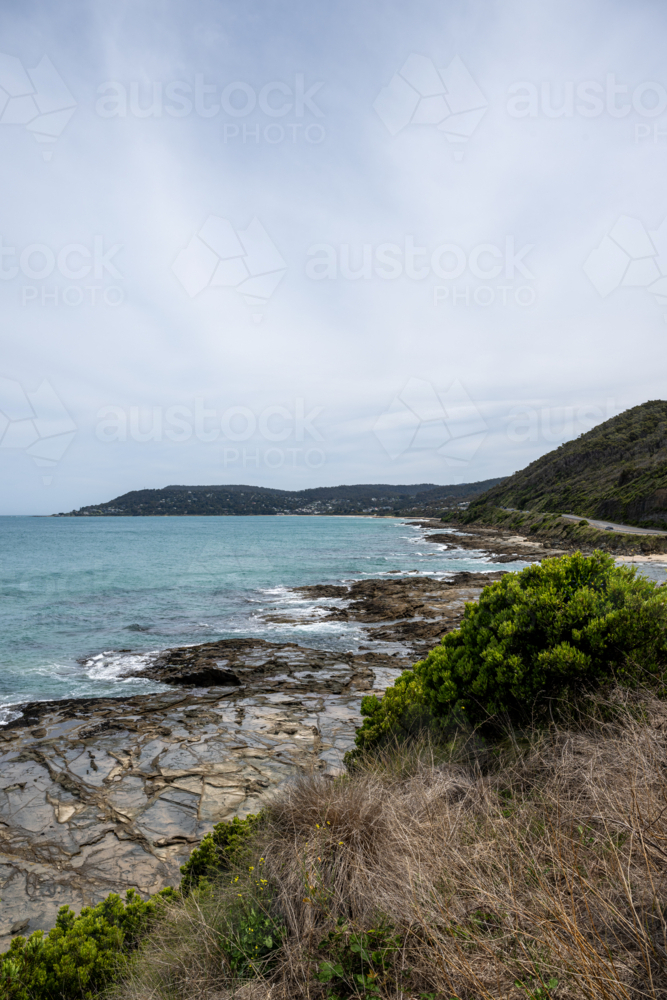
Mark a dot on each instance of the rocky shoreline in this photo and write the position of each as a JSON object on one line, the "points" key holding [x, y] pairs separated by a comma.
{"points": [[100, 795], [497, 544]]}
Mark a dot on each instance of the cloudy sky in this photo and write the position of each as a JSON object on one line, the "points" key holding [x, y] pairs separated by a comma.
{"points": [[301, 244]]}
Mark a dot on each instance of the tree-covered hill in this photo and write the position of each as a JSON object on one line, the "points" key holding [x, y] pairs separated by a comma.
{"points": [[419, 499], [616, 471]]}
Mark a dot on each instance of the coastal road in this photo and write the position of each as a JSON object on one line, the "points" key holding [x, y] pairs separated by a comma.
{"points": [[626, 528], [602, 525]]}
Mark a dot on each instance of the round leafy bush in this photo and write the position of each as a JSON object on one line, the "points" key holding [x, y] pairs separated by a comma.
{"points": [[535, 638], [81, 954]]}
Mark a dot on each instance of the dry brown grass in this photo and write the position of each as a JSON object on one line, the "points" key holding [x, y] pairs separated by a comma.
{"points": [[549, 863]]}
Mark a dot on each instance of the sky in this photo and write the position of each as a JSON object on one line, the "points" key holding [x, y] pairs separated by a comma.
{"points": [[300, 244]]}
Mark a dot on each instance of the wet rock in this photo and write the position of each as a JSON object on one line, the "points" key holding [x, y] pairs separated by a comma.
{"points": [[261, 666], [202, 674], [325, 590], [100, 795], [413, 611]]}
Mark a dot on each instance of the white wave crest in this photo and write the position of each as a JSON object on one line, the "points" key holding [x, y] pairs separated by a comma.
{"points": [[8, 713], [114, 666]]}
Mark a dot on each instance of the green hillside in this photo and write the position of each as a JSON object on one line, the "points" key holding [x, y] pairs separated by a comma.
{"points": [[616, 471], [378, 498]]}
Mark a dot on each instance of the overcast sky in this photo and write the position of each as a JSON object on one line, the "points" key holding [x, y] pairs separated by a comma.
{"points": [[299, 244]]}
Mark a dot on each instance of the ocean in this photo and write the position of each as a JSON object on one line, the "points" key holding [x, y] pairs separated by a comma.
{"points": [[86, 600]]}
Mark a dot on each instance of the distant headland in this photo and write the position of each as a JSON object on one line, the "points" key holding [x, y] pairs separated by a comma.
{"points": [[423, 499]]}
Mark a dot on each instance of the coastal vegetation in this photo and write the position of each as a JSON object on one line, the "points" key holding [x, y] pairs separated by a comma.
{"points": [[534, 644], [81, 954], [557, 531], [616, 471], [524, 869], [501, 832]]}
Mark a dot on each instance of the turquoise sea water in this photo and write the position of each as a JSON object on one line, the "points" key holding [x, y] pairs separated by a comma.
{"points": [[83, 601]]}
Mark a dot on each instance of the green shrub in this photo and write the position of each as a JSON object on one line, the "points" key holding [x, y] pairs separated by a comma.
{"points": [[80, 955], [535, 638], [225, 846], [357, 963], [251, 936]]}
